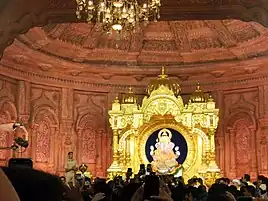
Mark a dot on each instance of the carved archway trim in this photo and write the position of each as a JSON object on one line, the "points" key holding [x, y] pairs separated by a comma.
{"points": [[243, 114], [122, 140], [146, 131], [54, 122], [82, 119], [204, 137], [11, 105]]}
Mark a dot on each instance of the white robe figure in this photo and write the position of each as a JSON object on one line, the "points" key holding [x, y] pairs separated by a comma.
{"points": [[70, 167]]}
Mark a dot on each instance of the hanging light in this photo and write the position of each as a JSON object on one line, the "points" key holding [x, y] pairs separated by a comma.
{"points": [[118, 14]]}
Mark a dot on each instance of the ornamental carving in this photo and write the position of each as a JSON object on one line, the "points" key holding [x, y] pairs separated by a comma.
{"points": [[242, 147], [42, 142], [8, 113], [45, 124], [161, 107]]}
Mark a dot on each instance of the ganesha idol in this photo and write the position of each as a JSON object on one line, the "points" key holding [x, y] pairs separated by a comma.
{"points": [[164, 153]]}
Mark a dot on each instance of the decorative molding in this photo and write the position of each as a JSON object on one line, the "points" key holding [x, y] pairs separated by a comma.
{"points": [[40, 78]]}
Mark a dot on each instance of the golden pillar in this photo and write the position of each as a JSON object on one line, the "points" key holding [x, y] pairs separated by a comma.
{"points": [[114, 169]]}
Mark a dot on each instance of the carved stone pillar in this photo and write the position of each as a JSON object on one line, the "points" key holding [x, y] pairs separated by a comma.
{"points": [[65, 138], [105, 152], [219, 136], [263, 101], [253, 154], [262, 133], [262, 147], [232, 153], [23, 108], [227, 154], [99, 153]]}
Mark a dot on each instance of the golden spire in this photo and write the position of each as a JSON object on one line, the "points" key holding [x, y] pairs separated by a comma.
{"points": [[116, 100], [198, 88], [130, 91], [163, 75]]}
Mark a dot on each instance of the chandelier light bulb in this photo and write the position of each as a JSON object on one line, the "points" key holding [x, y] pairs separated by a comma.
{"points": [[117, 27]]}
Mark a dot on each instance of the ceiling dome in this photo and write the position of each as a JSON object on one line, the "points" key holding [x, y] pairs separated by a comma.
{"points": [[178, 43], [164, 80]]}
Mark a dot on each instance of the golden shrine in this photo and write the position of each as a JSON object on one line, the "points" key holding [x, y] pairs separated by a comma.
{"points": [[161, 111]]}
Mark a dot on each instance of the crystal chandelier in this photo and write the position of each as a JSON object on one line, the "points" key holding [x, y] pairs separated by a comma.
{"points": [[118, 14]]}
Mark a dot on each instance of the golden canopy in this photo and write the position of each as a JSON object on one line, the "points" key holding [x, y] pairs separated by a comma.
{"points": [[163, 80], [198, 96]]}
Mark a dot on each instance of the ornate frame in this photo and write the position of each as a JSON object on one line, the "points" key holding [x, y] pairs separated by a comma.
{"points": [[151, 127]]}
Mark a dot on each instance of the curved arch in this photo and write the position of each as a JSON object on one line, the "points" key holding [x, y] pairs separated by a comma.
{"points": [[7, 105], [45, 112], [204, 138], [86, 142], [239, 115], [84, 119], [8, 113], [146, 131], [243, 138], [122, 140]]}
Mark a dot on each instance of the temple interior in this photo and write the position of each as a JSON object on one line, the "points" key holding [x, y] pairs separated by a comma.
{"points": [[62, 76]]}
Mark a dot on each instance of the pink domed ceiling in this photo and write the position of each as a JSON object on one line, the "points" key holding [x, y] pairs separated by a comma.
{"points": [[191, 50], [172, 43]]}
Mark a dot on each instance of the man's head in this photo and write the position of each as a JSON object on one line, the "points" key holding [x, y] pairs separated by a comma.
{"points": [[70, 155], [246, 177], [32, 185], [248, 191], [63, 179]]}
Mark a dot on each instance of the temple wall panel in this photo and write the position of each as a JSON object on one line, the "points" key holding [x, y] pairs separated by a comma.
{"points": [[61, 119], [58, 120]]}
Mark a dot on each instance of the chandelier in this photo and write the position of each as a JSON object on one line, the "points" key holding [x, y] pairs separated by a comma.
{"points": [[118, 14]]}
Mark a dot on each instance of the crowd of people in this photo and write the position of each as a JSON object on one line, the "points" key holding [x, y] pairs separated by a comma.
{"points": [[33, 185]]}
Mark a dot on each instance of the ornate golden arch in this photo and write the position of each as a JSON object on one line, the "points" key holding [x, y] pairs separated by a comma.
{"points": [[122, 140], [151, 127]]}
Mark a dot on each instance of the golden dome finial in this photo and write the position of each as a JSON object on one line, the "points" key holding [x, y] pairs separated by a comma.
{"points": [[198, 88], [164, 80], [163, 70], [198, 96], [116, 100], [130, 91], [210, 98]]}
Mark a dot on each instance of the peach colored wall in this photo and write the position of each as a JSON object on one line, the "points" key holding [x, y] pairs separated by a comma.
{"points": [[59, 120], [64, 119]]}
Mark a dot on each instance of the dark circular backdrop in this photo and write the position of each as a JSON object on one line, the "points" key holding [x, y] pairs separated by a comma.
{"points": [[177, 139]]}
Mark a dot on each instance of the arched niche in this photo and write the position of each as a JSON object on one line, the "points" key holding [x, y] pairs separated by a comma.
{"points": [[8, 113], [86, 142], [241, 131], [43, 140]]}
